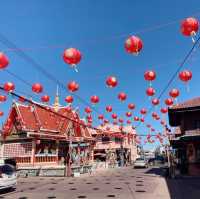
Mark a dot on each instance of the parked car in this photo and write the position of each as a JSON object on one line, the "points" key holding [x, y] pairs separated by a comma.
{"points": [[8, 177], [140, 162]]}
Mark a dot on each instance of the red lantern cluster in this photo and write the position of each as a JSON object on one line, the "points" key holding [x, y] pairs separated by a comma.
{"points": [[111, 82], [3, 61], [9, 87], [100, 117], [3, 98], [122, 96], [72, 86], [37, 88], [136, 118], [169, 101], [133, 45], [155, 101], [163, 110], [88, 110], [69, 99], [114, 116], [143, 111]]}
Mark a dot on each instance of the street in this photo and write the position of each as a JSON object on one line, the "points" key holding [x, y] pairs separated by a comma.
{"points": [[118, 183]]}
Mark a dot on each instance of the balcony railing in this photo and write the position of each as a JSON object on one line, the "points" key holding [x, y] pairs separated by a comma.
{"points": [[45, 158]]}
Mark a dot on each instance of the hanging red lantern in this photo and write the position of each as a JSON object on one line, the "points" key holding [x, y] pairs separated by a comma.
{"points": [[150, 91], [72, 56], [72, 86], [169, 102], [142, 120], [69, 99], [94, 99], [128, 114], [150, 76], [154, 114], [37, 88], [163, 110], [131, 106], [9, 87], [133, 45], [3, 61], [162, 122], [121, 120], [185, 75], [174, 93], [106, 121], [157, 117], [114, 116], [152, 129], [111, 81], [128, 121], [189, 27], [100, 117], [148, 125], [1, 113], [109, 108], [88, 110], [143, 111], [122, 96], [3, 98], [45, 98], [136, 118], [155, 101]]}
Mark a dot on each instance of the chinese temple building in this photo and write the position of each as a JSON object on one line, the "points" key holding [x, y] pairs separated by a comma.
{"points": [[110, 146], [37, 136], [186, 139]]}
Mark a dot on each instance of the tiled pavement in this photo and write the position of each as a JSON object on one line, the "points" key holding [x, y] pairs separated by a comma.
{"points": [[124, 183]]}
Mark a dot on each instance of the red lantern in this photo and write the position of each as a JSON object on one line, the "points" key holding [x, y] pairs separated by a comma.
{"points": [[3, 61], [141, 119], [133, 45], [185, 75], [155, 101], [100, 117], [174, 93], [131, 106], [94, 99], [72, 86], [72, 56], [109, 108], [45, 98], [37, 88], [69, 99], [114, 116], [106, 121], [154, 114], [128, 114], [189, 27], [128, 121], [150, 75], [169, 102], [157, 117], [3, 98], [152, 129], [148, 125], [88, 109], [163, 110], [122, 96], [121, 120], [111, 82], [162, 122], [1, 113], [9, 87], [136, 118], [150, 91], [143, 111]]}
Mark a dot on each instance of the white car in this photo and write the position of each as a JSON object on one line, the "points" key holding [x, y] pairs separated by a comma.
{"points": [[8, 177], [140, 162]]}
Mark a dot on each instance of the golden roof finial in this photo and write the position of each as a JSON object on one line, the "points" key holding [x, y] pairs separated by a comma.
{"points": [[56, 102]]}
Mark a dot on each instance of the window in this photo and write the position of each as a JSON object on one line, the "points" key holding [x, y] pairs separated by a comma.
{"points": [[197, 124]]}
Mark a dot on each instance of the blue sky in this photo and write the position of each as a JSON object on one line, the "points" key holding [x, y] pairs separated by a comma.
{"points": [[98, 29]]}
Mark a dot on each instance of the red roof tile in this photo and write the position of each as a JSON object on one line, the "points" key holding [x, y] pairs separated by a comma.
{"points": [[187, 104], [38, 119]]}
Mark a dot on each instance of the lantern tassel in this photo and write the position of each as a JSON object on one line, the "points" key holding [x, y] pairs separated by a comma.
{"points": [[74, 67], [193, 34]]}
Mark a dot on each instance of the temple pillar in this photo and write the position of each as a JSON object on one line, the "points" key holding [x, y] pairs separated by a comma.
{"points": [[57, 150], [33, 151]]}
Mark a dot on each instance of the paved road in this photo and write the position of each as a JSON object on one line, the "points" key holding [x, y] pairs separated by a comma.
{"points": [[123, 183]]}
